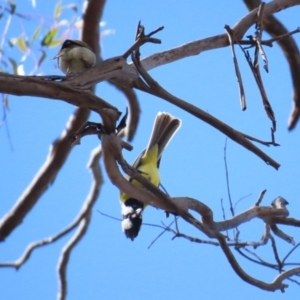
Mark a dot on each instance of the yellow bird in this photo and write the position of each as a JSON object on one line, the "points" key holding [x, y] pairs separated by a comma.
{"points": [[147, 163], [75, 56]]}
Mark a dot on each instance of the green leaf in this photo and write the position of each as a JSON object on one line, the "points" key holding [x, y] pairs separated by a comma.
{"points": [[14, 65], [36, 33], [72, 6], [57, 11], [43, 56], [50, 35], [13, 6], [56, 43], [21, 44]]}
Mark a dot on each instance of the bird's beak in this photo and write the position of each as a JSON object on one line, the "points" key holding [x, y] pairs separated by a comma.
{"points": [[60, 53]]}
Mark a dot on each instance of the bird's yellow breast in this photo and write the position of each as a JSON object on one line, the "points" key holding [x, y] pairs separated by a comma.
{"points": [[148, 169], [76, 59]]}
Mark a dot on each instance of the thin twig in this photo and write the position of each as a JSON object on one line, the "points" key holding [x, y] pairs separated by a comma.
{"points": [[273, 143], [254, 66], [261, 195], [108, 216], [275, 252], [141, 39], [227, 179], [231, 39], [268, 42], [242, 198], [290, 252], [47, 241], [223, 214], [165, 230], [259, 35]]}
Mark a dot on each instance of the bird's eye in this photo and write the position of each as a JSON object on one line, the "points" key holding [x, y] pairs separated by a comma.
{"points": [[131, 217]]}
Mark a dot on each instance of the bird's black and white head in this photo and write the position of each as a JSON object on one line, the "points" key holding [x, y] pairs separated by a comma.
{"points": [[279, 203], [132, 211]]}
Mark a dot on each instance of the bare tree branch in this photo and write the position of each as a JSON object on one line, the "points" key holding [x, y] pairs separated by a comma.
{"points": [[155, 89], [291, 51], [84, 221], [231, 39], [215, 42], [77, 90], [47, 173]]}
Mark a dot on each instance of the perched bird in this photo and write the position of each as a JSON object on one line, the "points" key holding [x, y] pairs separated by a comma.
{"points": [[147, 164], [279, 203], [75, 56]]}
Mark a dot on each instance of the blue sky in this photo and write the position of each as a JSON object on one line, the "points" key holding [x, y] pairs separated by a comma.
{"points": [[105, 265]]}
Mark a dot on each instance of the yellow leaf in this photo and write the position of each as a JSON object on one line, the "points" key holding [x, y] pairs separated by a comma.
{"points": [[21, 44], [57, 10]]}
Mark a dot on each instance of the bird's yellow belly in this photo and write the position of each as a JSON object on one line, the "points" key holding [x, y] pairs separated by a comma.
{"points": [[150, 172]]}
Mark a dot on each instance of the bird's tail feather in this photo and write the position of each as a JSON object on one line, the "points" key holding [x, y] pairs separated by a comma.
{"points": [[164, 127]]}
